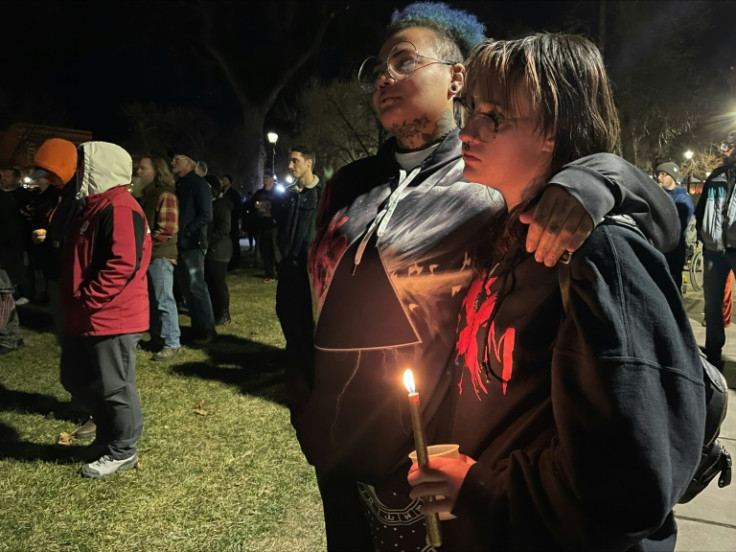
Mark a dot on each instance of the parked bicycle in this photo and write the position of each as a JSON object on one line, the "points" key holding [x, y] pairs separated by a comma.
{"points": [[693, 276]]}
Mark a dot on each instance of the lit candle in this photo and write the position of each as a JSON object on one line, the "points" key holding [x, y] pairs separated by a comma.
{"points": [[434, 534]]}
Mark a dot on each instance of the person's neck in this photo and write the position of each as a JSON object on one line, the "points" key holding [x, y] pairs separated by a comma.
{"points": [[421, 133], [304, 180]]}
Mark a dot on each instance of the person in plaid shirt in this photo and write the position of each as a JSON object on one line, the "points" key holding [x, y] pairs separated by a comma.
{"points": [[159, 203]]}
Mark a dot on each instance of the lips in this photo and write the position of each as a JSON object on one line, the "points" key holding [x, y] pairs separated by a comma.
{"points": [[386, 98], [468, 158]]}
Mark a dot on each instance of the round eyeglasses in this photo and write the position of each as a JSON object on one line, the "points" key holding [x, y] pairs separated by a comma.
{"points": [[402, 61], [491, 118]]}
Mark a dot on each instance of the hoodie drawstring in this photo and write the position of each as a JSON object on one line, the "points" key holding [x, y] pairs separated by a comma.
{"points": [[379, 224]]}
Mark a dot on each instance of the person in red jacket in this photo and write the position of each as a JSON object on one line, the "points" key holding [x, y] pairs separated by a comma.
{"points": [[105, 303]]}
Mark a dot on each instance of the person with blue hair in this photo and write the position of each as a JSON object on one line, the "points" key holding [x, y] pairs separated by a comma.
{"points": [[389, 265]]}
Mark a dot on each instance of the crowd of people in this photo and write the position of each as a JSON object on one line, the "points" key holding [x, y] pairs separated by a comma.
{"points": [[108, 246], [495, 244]]}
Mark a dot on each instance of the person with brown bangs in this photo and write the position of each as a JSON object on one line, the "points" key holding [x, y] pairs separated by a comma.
{"points": [[579, 403]]}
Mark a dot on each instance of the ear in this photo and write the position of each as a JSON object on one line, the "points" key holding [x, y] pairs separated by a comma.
{"points": [[457, 79], [549, 143]]}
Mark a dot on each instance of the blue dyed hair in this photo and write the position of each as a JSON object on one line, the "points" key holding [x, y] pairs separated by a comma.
{"points": [[461, 28]]}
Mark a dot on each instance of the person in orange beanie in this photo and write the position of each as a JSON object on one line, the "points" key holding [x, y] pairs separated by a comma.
{"points": [[55, 165]]}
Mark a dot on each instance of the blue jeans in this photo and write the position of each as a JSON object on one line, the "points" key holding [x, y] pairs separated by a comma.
{"points": [[164, 316], [716, 270], [198, 295]]}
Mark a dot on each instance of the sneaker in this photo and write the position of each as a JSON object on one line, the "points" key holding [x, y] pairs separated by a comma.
{"points": [[19, 345], [106, 465], [96, 449], [22, 301], [87, 430], [167, 353]]}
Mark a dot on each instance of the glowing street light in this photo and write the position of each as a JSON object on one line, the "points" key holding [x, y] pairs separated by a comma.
{"points": [[688, 154], [272, 138]]}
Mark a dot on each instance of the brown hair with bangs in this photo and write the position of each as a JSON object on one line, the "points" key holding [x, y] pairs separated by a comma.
{"points": [[569, 92], [567, 85]]}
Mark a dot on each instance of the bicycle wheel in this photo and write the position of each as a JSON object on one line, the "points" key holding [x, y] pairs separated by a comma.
{"points": [[696, 271]]}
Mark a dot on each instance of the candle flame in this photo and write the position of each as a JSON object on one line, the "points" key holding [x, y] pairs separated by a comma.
{"points": [[409, 381]]}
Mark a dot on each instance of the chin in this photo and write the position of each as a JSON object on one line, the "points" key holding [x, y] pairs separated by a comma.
{"points": [[473, 175]]}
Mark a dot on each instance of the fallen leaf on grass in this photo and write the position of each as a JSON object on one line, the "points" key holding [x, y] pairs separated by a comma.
{"points": [[64, 439], [199, 409]]}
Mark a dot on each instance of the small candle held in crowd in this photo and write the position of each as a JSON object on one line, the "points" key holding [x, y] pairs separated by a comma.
{"points": [[434, 534]]}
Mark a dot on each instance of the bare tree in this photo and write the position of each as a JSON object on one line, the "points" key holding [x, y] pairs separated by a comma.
{"points": [[285, 58], [339, 122]]}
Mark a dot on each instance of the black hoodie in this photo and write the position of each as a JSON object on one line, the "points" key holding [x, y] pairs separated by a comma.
{"points": [[586, 420]]}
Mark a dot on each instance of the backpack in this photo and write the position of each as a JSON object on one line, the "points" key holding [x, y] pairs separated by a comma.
{"points": [[714, 458]]}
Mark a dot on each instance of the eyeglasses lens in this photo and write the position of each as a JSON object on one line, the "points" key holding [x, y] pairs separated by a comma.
{"points": [[402, 62]]}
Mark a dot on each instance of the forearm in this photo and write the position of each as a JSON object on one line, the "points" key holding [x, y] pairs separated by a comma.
{"points": [[607, 184]]}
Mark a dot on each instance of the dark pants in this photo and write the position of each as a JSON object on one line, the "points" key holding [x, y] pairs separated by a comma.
{"points": [[269, 251], [215, 273], [346, 524], [717, 269], [99, 372], [235, 260], [294, 310], [191, 268]]}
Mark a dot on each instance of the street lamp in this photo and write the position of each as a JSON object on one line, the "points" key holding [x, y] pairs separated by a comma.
{"points": [[272, 138], [688, 155]]}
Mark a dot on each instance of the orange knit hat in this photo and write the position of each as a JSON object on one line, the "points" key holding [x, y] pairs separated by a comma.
{"points": [[57, 156]]}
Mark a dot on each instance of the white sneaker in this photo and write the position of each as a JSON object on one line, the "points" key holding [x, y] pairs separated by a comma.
{"points": [[105, 466], [22, 301]]}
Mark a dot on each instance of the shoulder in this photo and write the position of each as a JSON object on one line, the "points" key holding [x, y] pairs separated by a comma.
{"points": [[361, 170], [615, 250]]}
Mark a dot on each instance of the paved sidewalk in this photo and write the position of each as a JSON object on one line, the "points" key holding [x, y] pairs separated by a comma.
{"points": [[708, 523]]}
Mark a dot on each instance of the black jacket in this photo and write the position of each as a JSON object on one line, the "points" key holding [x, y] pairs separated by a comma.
{"points": [[218, 233], [195, 211], [295, 215], [59, 218], [586, 421]]}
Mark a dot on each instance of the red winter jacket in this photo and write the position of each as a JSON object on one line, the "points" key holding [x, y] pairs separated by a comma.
{"points": [[103, 282]]}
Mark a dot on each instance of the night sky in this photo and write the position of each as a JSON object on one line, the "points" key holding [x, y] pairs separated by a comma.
{"points": [[77, 63]]}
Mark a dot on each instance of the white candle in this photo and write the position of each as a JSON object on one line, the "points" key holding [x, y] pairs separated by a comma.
{"points": [[434, 533]]}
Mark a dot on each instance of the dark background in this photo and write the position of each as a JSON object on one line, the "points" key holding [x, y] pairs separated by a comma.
{"points": [[78, 64]]}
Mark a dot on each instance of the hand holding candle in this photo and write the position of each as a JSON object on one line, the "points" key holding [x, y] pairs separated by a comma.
{"points": [[434, 533]]}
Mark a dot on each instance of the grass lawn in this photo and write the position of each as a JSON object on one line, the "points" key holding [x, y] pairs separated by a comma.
{"points": [[230, 477]]}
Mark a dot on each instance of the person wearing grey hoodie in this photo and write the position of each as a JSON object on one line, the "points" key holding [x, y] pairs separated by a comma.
{"points": [[104, 291]]}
